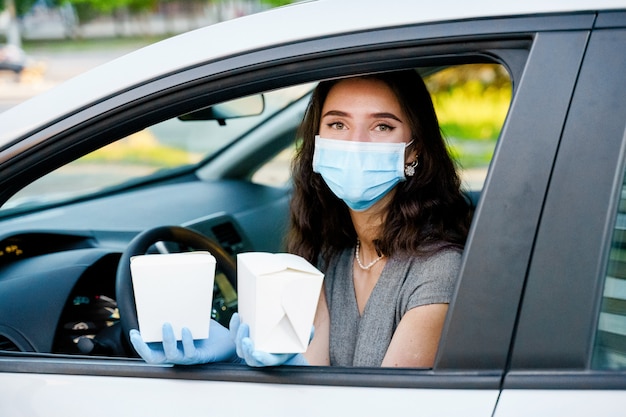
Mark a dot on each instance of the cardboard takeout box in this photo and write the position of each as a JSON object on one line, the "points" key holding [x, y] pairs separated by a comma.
{"points": [[175, 288], [278, 296]]}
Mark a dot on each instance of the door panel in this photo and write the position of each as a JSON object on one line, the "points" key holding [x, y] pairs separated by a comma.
{"points": [[538, 403], [63, 395]]}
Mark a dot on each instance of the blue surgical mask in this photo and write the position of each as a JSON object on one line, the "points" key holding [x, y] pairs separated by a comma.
{"points": [[359, 173]]}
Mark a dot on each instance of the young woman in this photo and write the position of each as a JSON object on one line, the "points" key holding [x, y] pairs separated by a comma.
{"points": [[377, 206]]}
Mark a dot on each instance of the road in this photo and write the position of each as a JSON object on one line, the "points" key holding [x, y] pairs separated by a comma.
{"points": [[49, 69]]}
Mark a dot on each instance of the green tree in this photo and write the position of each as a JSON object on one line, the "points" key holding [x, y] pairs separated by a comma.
{"points": [[276, 3], [16, 8], [21, 6], [86, 10], [107, 6]]}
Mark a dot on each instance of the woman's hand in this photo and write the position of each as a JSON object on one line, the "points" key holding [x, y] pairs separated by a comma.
{"points": [[240, 332], [219, 347]]}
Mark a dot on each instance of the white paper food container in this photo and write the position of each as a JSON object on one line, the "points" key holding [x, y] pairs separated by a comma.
{"points": [[278, 296], [176, 288]]}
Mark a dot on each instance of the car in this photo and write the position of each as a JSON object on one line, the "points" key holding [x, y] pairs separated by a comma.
{"points": [[186, 144]]}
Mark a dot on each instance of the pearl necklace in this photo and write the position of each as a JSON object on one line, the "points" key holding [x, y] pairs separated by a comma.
{"points": [[358, 259]]}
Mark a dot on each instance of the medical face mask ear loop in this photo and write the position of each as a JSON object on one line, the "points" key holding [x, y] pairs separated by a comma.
{"points": [[409, 169]]}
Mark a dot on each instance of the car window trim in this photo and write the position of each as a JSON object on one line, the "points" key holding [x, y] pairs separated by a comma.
{"points": [[405, 61], [49, 364], [501, 239]]}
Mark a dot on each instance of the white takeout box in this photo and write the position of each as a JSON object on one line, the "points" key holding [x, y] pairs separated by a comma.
{"points": [[176, 288], [278, 296]]}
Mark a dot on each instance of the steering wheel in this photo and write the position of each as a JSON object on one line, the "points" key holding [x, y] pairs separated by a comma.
{"points": [[140, 244]]}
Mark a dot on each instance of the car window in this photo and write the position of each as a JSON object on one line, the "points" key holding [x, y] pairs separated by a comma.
{"points": [[471, 102], [610, 344]]}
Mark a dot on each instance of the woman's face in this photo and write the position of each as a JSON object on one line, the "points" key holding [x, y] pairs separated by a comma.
{"points": [[364, 110]]}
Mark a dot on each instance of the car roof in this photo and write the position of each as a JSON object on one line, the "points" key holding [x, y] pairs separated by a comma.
{"points": [[276, 26]]}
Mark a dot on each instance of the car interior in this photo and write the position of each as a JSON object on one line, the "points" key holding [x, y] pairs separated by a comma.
{"points": [[216, 178]]}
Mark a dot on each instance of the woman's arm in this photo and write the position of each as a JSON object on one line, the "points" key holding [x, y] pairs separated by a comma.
{"points": [[318, 352], [415, 341]]}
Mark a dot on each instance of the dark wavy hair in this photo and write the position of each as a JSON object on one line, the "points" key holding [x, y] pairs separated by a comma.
{"points": [[428, 211]]}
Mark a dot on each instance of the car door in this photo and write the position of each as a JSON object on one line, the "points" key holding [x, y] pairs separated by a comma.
{"points": [[474, 351], [568, 351]]}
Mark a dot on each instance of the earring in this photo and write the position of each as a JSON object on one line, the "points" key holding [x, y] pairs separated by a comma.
{"points": [[409, 169]]}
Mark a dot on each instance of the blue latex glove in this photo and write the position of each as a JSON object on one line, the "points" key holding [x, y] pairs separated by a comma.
{"points": [[217, 348], [240, 332]]}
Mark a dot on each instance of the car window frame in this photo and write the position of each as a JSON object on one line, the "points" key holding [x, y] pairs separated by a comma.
{"points": [[554, 342], [456, 365]]}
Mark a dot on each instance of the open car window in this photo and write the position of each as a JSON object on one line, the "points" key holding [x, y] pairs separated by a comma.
{"points": [[471, 102]]}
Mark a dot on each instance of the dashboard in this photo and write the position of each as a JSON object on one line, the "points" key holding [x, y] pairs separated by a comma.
{"points": [[57, 286]]}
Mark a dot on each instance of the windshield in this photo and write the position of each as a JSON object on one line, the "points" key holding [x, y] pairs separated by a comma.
{"points": [[155, 151]]}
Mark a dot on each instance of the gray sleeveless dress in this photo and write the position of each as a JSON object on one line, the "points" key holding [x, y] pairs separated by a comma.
{"points": [[406, 283]]}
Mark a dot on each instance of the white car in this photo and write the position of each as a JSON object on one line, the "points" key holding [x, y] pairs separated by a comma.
{"points": [[195, 133]]}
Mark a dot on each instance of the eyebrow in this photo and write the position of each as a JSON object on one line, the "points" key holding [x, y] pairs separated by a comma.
{"points": [[381, 115]]}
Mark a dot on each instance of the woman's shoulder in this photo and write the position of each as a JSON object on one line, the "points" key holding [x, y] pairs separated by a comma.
{"points": [[443, 252], [434, 251], [440, 258], [448, 258]]}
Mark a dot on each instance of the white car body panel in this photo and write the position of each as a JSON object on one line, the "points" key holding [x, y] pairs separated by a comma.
{"points": [[63, 395], [571, 403], [276, 26]]}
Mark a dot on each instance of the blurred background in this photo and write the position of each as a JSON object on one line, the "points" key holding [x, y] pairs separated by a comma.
{"points": [[44, 42]]}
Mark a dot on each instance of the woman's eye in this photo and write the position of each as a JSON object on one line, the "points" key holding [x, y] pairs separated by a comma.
{"points": [[384, 128], [336, 125]]}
